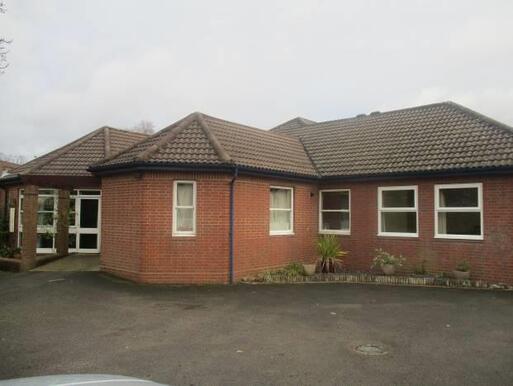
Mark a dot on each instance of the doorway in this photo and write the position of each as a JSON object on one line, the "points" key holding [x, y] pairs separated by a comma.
{"points": [[84, 221]]}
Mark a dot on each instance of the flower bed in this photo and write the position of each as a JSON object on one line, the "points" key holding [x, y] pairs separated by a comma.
{"points": [[364, 278]]}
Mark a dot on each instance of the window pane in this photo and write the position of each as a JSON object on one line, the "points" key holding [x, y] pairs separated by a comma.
{"points": [[459, 223], [89, 213], [335, 221], [398, 198], [44, 240], [45, 219], [458, 197], [72, 241], [45, 203], [71, 213], [184, 194], [280, 220], [184, 219], [401, 222], [335, 200], [88, 241], [281, 198]]}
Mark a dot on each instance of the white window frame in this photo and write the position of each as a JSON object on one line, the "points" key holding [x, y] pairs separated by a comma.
{"points": [[40, 228], [77, 230], [291, 210], [415, 209], [175, 232], [478, 209], [321, 211]]}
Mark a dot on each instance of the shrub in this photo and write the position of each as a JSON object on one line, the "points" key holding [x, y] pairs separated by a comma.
{"points": [[290, 271], [463, 266], [384, 258], [330, 253], [6, 251]]}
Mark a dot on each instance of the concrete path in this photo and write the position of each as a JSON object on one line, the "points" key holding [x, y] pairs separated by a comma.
{"points": [[71, 263]]}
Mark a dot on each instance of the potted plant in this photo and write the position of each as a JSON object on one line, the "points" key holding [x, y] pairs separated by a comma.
{"points": [[462, 271], [386, 261], [309, 268], [330, 253]]}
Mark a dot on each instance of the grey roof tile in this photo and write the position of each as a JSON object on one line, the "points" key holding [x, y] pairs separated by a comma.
{"points": [[292, 124], [431, 138], [200, 139], [74, 158]]}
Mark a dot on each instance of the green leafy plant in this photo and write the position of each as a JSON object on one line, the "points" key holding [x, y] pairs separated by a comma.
{"points": [[6, 251], [4, 231], [384, 258], [330, 253], [463, 266], [290, 271]]}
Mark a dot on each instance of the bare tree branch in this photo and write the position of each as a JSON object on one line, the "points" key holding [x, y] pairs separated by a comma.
{"points": [[145, 127], [4, 45]]}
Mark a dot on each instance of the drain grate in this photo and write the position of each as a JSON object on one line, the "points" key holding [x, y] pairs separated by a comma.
{"points": [[371, 349]]}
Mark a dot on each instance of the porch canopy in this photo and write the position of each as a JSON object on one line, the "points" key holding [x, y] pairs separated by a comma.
{"points": [[45, 183]]}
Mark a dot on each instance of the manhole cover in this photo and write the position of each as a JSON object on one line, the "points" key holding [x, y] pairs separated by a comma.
{"points": [[371, 349]]}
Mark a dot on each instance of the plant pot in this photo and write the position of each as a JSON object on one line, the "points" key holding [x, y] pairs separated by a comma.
{"points": [[309, 269], [388, 269], [461, 275]]}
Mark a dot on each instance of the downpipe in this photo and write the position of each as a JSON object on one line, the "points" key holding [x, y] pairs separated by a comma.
{"points": [[232, 223]]}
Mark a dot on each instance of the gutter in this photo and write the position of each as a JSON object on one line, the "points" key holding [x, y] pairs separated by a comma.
{"points": [[232, 223]]}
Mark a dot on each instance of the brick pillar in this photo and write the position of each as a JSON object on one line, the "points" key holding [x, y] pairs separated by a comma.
{"points": [[61, 241], [29, 243]]}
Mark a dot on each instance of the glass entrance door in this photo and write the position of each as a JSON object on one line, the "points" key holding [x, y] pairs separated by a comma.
{"points": [[84, 230]]}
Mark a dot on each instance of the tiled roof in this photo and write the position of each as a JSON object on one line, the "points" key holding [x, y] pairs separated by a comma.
{"points": [[292, 124], [74, 158], [431, 138], [441, 137], [6, 165], [200, 139]]}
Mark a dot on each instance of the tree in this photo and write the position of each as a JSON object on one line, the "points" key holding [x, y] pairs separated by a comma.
{"points": [[15, 159], [4, 45], [145, 127]]}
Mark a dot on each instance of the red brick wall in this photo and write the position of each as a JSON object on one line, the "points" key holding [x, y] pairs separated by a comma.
{"points": [[122, 235], [255, 249], [137, 229], [137, 240], [491, 259]]}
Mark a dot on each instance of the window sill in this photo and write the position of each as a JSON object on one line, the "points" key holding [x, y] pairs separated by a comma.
{"points": [[400, 235], [281, 234], [179, 235], [459, 237], [334, 232]]}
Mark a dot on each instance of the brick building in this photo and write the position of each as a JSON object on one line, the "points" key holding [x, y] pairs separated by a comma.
{"points": [[210, 201]]}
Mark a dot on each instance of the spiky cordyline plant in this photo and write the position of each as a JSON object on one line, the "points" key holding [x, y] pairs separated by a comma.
{"points": [[330, 253]]}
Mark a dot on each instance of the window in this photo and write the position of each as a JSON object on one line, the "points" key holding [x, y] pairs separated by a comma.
{"points": [[459, 211], [281, 212], [46, 219], [334, 211], [184, 208], [397, 211]]}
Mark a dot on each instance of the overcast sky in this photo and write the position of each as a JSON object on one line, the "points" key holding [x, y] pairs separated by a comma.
{"points": [[79, 65]]}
